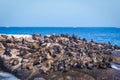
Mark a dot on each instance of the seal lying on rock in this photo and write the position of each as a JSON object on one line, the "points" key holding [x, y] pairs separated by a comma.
{"points": [[53, 53]]}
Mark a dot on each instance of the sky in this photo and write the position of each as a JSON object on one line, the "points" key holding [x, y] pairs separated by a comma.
{"points": [[56, 13]]}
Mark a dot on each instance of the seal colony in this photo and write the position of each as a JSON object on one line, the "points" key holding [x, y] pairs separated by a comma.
{"points": [[26, 57]]}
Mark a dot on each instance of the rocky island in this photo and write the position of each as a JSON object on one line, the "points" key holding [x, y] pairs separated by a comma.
{"points": [[58, 57]]}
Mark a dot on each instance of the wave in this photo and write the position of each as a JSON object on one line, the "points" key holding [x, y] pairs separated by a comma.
{"points": [[18, 35], [115, 66], [7, 76]]}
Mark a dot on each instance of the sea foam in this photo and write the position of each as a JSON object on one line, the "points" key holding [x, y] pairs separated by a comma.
{"points": [[115, 66], [18, 35], [7, 76]]}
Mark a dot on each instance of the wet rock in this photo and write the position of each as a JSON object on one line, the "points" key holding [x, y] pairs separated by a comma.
{"points": [[75, 75], [103, 74], [22, 74], [55, 76]]}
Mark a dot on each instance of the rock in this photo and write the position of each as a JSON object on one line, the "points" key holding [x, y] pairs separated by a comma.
{"points": [[75, 75], [70, 75], [68, 78], [23, 74], [57, 57], [103, 74], [55, 76]]}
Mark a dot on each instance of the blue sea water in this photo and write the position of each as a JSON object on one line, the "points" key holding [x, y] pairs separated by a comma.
{"points": [[99, 34]]}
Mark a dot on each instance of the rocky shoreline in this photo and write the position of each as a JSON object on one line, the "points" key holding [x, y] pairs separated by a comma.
{"points": [[58, 57]]}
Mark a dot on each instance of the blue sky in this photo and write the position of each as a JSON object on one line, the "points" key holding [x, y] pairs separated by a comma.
{"points": [[79, 13]]}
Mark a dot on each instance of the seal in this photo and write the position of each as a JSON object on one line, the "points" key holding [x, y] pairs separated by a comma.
{"points": [[53, 53]]}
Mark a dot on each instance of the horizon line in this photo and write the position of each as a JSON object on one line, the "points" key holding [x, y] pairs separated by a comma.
{"points": [[64, 26]]}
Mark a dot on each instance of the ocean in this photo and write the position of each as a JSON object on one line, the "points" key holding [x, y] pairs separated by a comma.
{"points": [[98, 34]]}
